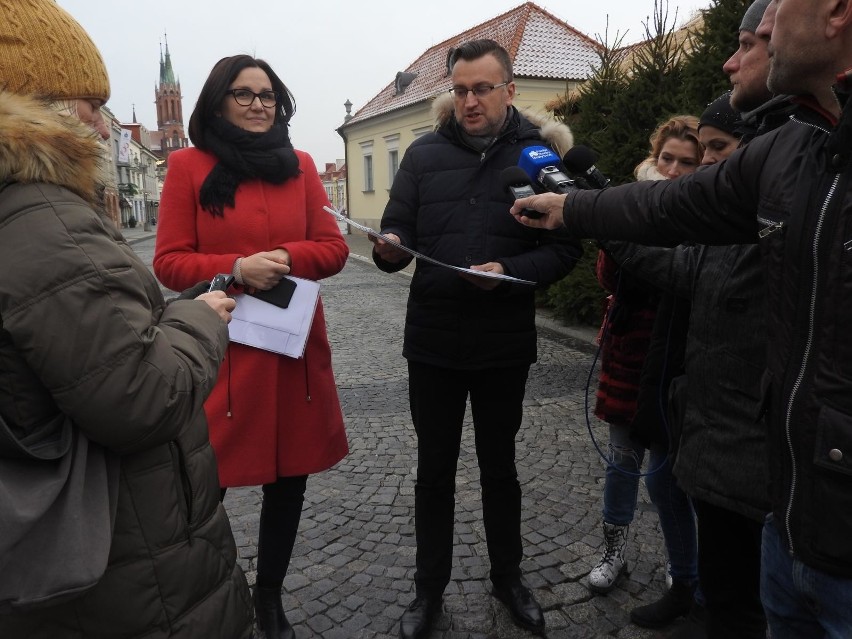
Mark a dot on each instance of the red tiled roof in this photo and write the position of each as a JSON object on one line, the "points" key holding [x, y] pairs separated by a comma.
{"points": [[541, 45]]}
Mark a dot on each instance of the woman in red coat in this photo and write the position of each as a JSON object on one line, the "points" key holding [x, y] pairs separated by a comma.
{"points": [[243, 201]]}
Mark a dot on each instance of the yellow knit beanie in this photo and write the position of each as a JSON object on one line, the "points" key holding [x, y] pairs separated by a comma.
{"points": [[45, 52]]}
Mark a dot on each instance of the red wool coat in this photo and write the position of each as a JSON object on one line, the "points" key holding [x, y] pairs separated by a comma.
{"points": [[285, 415]]}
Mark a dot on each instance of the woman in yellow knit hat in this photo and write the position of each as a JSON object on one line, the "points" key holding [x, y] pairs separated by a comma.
{"points": [[95, 365]]}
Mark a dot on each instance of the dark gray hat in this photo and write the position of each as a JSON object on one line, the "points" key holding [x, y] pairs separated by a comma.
{"points": [[719, 114], [753, 15]]}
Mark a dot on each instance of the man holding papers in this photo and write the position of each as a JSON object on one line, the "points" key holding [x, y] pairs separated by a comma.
{"points": [[466, 335]]}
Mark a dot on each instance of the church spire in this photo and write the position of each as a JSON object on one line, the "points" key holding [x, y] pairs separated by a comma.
{"points": [[162, 64], [167, 75], [167, 95]]}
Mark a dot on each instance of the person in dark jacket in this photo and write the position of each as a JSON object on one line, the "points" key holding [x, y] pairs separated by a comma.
{"points": [[675, 151], [798, 178], [721, 448], [651, 427], [467, 335], [85, 335]]}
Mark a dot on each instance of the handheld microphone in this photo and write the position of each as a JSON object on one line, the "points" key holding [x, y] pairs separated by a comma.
{"points": [[517, 182], [580, 160], [542, 166]]}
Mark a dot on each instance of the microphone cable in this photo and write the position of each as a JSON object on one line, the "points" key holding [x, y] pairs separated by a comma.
{"points": [[608, 459]]}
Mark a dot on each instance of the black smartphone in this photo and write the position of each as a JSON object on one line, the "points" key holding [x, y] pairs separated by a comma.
{"points": [[279, 295]]}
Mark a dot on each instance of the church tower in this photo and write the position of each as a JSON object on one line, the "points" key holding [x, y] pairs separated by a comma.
{"points": [[169, 107]]}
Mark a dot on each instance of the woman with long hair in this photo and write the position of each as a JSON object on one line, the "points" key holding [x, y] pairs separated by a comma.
{"points": [[639, 356], [243, 201]]}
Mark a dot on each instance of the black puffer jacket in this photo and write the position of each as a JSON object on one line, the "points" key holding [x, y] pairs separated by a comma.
{"points": [[448, 202], [799, 180], [85, 332]]}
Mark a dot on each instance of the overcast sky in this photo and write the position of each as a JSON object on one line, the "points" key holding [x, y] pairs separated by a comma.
{"points": [[326, 52]]}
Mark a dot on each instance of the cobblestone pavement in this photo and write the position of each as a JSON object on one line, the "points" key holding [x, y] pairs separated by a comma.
{"points": [[352, 568]]}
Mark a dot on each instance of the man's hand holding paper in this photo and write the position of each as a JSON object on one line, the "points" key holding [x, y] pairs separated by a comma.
{"points": [[487, 284], [388, 252]]}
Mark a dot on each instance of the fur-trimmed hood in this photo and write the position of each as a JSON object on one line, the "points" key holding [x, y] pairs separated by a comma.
{"points": [[40, 145], [647, 170], [556, 134]]}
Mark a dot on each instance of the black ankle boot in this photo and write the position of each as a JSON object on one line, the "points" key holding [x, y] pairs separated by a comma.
{"points": [[676, 602], [269, 615], [522, 605], [417, 619]]}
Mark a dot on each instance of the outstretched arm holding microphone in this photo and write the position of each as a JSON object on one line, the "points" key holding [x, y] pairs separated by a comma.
{"points": [[550, 205], [548, 208]]}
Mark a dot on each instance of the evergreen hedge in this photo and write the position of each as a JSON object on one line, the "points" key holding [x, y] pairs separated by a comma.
{"points": [[615, 111]]}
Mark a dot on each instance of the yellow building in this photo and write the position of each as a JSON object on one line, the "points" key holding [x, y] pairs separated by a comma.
{"points": [[549, 56]]}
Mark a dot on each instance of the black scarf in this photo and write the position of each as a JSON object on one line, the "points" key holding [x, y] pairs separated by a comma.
{"points": [[244, 155]]}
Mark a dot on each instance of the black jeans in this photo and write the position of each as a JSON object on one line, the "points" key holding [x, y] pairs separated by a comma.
{"points": [[729, 572], [438, 399]]}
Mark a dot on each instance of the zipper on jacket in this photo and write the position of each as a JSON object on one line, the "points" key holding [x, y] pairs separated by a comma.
{"points": [[770, 227], [806, 355], [185, 493]]}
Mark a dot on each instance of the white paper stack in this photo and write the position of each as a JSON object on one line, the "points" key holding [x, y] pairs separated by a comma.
{"points": [[271, 328]]}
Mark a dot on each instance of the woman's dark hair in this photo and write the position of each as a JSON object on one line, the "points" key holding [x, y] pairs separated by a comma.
{"points": [[475, 49], [213, 93]]}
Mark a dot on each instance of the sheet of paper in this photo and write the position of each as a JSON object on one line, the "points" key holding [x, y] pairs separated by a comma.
{"points": [[271, 328], [420, 256]]}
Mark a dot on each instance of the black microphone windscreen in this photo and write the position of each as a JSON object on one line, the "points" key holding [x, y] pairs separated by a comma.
{"points": [[513, 175], [579, 159]]}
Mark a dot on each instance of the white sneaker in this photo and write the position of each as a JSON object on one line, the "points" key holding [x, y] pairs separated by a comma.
{"points": [[602, 578]]}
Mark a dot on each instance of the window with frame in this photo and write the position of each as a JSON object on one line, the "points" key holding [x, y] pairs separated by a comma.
{"points": [[367, 154], [368, 172], [392, 145], [393, 165], [341, 198]]}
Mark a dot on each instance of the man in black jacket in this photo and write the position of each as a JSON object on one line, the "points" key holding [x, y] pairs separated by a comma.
{"points": [[799, 180], [467, 335]]}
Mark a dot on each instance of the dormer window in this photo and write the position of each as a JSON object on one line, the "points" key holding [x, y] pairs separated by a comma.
{"points": [[403, 79], [448, 70]]}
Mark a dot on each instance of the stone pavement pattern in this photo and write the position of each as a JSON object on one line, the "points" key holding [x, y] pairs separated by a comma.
{"points": [[351, 575]]}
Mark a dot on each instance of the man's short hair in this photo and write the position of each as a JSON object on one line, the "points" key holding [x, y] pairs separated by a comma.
{"points": [[475, 49]]}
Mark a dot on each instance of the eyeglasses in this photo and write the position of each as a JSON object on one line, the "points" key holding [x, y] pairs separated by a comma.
{"points": [[482, 91], [244, 97]]}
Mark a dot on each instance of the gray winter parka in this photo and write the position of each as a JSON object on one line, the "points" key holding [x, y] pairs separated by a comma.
{"points": [[721, 454], [85, 332]]}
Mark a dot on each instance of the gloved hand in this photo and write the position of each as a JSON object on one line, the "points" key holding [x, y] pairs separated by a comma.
{"points": [[192, 292]]}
